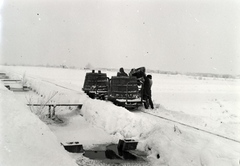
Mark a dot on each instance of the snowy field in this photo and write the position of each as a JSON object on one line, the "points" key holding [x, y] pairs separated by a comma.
{"points": [[196, 122]]}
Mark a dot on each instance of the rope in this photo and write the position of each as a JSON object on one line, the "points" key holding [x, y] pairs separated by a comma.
{"points": [[48, 82], [60, 85], [196, 128]]}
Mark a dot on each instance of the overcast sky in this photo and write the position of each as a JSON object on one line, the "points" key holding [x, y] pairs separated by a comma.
{"points": [[173, 35]]}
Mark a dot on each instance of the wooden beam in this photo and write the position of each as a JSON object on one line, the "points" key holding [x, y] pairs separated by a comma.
{"points": [[52, 105], [11, 80]]}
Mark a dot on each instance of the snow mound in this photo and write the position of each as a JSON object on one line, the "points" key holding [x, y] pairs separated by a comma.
{"points": [[115, 120], [25, 140], [165, 143]]}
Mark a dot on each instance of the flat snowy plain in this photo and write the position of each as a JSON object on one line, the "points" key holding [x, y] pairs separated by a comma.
{"points": [[202, 126]]}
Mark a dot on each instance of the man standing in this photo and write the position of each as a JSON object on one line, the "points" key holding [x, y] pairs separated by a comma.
{"points": [[147, 92]]}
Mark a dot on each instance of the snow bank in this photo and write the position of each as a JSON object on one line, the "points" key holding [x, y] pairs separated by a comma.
{"points": [[165, 143], [170, 146], [25, 140], [117, 121], [56, 94]]}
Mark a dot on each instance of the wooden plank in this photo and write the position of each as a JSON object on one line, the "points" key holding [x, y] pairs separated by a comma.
{"points": [[11, 80], [2, 73], [18, 89], [52, 105]]}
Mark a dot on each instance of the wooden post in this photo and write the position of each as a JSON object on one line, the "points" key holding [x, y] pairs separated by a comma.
{"points": [[53, 114], [49, 112]]}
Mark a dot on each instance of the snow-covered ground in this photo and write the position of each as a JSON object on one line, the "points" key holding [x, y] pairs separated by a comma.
{"points": [[210, 105]]}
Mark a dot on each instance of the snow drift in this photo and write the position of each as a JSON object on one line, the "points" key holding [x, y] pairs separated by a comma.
{"points": [[26, 140]]}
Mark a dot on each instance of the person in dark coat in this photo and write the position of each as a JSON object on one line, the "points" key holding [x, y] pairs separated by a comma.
{"points": [[147, 92], [121, 72]]}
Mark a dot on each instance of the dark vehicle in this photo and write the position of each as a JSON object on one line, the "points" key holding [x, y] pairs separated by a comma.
{"points": [[123, 91], [96, 85]]}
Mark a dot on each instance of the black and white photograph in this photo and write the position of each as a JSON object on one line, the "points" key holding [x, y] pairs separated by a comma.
{"points": [[119, 82]]}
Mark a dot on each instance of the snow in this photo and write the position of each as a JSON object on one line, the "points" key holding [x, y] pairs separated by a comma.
{"points": [[25, 139], [209, 104]]}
